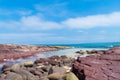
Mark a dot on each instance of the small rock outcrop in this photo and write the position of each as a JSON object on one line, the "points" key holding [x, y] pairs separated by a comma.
{"points": [[80, 52]]}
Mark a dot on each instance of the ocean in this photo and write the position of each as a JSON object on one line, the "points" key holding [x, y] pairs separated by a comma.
{"points": [[86, 45]]}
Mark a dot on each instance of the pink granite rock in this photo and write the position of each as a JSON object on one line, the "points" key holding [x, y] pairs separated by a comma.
{"points": [[99, 67]]}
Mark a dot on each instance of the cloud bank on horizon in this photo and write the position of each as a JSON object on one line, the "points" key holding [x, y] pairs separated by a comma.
{"points": [[59, 21]]}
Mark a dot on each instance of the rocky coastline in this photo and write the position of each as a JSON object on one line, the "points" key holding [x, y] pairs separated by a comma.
{"points": [[52, 68], [10, 52], [99, 65], [104, 65]]}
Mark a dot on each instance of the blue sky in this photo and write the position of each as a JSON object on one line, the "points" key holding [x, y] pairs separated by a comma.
{"points": [[59, 21]]}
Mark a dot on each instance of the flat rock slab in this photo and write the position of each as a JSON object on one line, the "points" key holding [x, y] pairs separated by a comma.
{"points": [[99, 67], [10, 52]]}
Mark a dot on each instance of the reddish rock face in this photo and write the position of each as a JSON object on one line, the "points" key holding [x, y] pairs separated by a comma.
{"points": [[10, 52], [99, 67]]}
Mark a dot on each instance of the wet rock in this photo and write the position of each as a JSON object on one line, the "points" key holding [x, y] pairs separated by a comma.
{"points": [[80, 52]]}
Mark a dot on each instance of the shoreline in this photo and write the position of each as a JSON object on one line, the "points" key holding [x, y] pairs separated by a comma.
{"points": [[99, 63], [9, 52]]}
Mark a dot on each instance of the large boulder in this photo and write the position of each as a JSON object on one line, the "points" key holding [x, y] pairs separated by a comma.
{"points": [[98, 67], [15, 67], [57, 69], [26, 75], [70, 76], [55, 76], [13, 76]]}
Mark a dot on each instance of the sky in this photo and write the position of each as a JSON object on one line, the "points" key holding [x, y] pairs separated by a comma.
{"points": [[59, 21]]}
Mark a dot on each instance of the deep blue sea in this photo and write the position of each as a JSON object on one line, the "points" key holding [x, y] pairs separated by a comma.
{"points": [[87, 45]]}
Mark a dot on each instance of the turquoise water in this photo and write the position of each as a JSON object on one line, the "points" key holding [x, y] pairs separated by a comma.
{"points": [[88, 45]]}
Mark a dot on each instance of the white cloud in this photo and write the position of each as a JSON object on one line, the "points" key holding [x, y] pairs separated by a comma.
{"points": [[30, 23], [105, 20], [37, 23]]}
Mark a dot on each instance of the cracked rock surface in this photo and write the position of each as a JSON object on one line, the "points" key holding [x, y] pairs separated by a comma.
{"points": [[105, 66]]}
